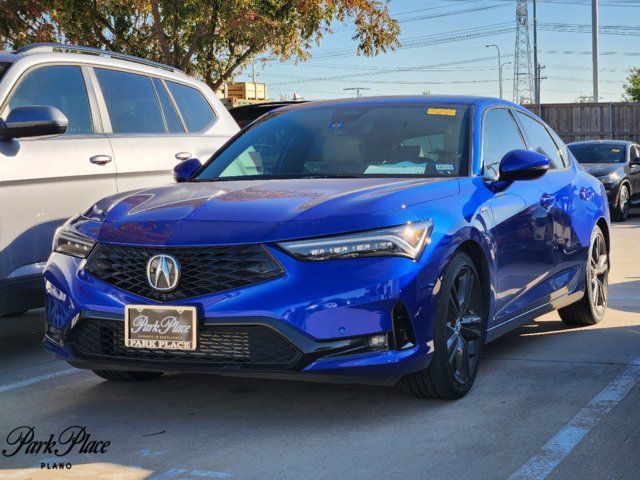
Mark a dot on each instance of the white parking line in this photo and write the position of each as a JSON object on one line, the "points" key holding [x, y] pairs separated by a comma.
{"points": [[556, 449], [32, 380]]}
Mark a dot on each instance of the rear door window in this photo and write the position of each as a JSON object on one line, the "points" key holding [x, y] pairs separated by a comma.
{"points": [[540, 140], [60, 86], [196, 111], [132, 102]]}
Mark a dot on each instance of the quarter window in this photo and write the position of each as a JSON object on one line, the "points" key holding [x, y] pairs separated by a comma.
{"points": [[195, 110], [539, 140], [500, 135], [60, 86], [564, 150], [131, 101]]}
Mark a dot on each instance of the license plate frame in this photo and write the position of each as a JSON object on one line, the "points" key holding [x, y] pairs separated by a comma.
{"points": [[161, 327]]}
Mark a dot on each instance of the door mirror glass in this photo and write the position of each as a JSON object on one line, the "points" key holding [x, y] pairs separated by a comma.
{"points": [[185, 170], [523, 165], [33, 121], [635, 161]]}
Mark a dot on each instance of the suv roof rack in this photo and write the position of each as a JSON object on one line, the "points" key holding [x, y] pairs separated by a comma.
{"points": [[61, 47]]}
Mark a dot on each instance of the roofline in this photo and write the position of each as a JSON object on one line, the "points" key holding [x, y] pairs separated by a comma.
{"points": [[63, 48]]}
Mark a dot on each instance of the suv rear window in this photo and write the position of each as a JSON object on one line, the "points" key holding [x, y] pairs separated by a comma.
{"points": [[195, 110]]}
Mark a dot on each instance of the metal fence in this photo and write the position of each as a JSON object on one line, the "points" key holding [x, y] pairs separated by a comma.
{"points": [[587, 121]]}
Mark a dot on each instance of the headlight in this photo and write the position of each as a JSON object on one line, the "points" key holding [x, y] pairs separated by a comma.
{"points": [[406, 240], [611, 178], [70, 242]]}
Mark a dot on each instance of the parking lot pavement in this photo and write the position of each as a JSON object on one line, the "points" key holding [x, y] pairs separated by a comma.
{"points": [[536, 384]]}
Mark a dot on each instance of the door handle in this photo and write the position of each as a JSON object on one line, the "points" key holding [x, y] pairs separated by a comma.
{"points": [[547, 201], [100, 159], [182, 156]]}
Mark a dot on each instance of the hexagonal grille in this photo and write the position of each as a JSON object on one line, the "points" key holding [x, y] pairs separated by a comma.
{"points": [[204, 270], [245, 346]]}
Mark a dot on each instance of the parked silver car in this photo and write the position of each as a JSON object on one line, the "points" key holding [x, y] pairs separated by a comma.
{"points": [[126, 122]]}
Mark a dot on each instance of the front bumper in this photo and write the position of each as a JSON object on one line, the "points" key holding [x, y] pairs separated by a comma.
{"points": [[325, 312], [612, 190]]}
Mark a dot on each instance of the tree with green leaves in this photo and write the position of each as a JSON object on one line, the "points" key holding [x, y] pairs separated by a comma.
{"points": [[211, 39], [632, 87]]}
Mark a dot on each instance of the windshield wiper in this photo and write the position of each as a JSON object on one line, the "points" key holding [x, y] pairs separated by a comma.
{"points": [[327, 175], [278, 177]]}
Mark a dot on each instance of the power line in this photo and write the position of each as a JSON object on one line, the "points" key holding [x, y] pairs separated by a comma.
{"points": [[388, 70]]}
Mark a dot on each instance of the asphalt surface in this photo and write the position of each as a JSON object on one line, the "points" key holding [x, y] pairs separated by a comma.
{"points": [[532, 406]]}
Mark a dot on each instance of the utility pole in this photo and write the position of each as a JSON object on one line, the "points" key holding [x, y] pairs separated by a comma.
{"points": [[522, 70], [502, 68], [255, 80], [499, 67], [539, 79], [536, 72], [594, 50], [357, 89]]}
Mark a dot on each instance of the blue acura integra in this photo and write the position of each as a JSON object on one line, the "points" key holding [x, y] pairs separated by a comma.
{"points": [[382, 239]]}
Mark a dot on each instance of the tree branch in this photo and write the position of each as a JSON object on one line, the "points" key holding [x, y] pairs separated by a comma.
{"points": [[157, 26], [231, 67], [197, 36]]}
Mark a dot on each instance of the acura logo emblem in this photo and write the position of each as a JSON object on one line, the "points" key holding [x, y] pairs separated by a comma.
{"points": [[163, 272]]}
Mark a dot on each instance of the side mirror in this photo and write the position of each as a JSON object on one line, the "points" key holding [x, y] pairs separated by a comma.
{"points": [[522, 165], [635, 161], [185, 170], [33, 121]]}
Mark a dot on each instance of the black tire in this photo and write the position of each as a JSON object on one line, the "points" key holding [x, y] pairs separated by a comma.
{"points": [[125, 376], [591, 308], [621, 211], [458, 336]]}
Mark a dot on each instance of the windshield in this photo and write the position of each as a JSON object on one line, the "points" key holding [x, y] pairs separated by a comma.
{"points": [[349, 140], [599, 153]]}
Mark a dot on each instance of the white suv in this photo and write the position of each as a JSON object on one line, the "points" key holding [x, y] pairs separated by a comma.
{"points": [[128, 122]]}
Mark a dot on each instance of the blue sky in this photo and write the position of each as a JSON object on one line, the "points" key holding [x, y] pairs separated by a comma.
{"points": [[466, 66]]}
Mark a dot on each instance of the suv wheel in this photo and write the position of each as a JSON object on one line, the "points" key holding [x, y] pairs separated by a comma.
{"points": [[458, 335]]}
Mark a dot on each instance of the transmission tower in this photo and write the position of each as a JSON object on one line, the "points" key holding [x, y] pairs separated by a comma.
{"points": [[522, 71]]}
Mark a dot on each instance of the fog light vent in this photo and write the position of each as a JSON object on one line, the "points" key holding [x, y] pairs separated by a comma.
{"points": [[403, 336], [54, 333]]}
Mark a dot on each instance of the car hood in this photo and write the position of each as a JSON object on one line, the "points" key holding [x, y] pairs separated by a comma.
{"points": [[200, 213], [602, 169]]}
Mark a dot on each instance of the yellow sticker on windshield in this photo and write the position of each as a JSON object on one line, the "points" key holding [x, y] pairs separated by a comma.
{"points": [[450, 112], [615, 150]]}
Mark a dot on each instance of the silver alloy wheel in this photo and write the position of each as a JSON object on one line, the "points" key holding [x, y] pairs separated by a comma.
{"points": [[624, 200], [598, 274]]}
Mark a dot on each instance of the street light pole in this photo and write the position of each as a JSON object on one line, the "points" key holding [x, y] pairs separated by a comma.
{"points": [[499, 67], [536, 71], [594, 40]]}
